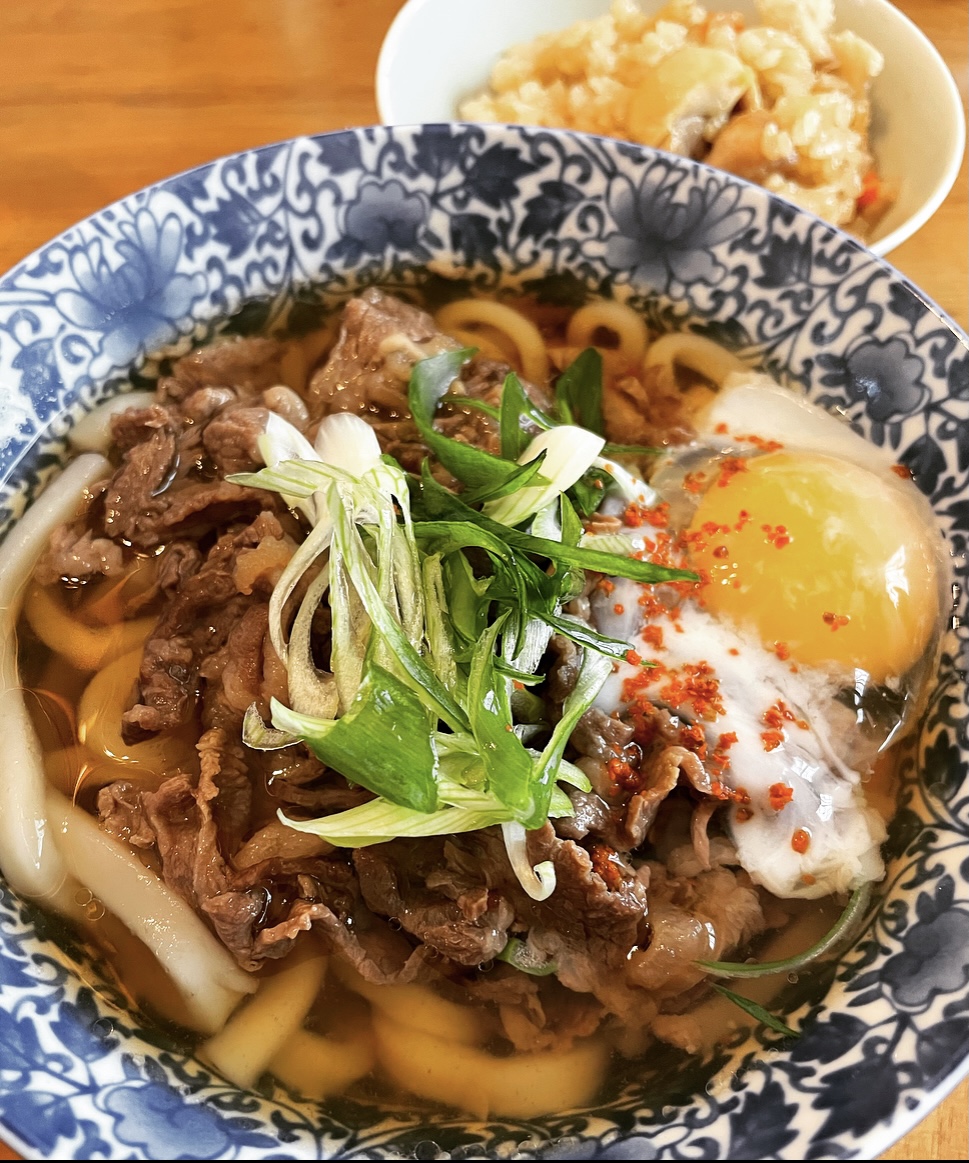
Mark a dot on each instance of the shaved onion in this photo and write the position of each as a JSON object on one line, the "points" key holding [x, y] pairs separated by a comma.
{"points": [[569, 451], [538, 882]]}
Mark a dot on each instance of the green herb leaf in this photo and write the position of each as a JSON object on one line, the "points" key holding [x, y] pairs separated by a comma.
{"points": [[589, 490], [517, 413], [526, 474], [429, 382], [402, 767], [578, 392], [435, 503], [756, 1011], [507, 763], [471, 402], [583, 634], [518, 954], [841, 931]]}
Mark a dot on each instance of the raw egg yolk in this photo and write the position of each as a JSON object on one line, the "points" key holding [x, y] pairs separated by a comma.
{"points": [[830, 562]]}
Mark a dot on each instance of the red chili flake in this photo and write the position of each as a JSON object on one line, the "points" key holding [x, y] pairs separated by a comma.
{"points": [[761, 443], [835, 621], [638, 515], [605, 585], [807, 878], [721, 429], [733, 650], [721, 551], [694, 685], [724, 742], [619, 608], [694, 482], [692, 738], [743, 518], [777, 535], [605, 864], [780, 713], [782, 650], [772, 739], [519, 686], [624, 775], [729, 467], [652, 635], [801, 840], [743, 814], [598, 483], [779, 795], [633, 658], [903, 472]]}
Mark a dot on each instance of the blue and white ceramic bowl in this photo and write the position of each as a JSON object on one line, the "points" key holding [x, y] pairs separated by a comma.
{"points": [[886, 1035]]}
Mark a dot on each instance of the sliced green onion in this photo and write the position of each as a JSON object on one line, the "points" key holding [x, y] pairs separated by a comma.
{"points": [[568, 453], [578, 392], [838, 933], [259, 737], [518, 954], [384, 742], [538, 882], [756, 1011], [593, 672]]}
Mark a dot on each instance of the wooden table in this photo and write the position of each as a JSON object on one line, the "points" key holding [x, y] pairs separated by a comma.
{"points": [[101, 97]]}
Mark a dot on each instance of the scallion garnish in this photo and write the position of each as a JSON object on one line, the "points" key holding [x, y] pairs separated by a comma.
{"points": [[839, 932], [442, 608]]}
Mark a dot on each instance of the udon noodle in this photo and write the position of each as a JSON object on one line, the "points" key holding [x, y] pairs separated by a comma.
{"points": [[467, 952]]}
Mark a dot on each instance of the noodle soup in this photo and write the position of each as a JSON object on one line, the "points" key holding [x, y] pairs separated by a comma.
{"points": [[453, 684]]}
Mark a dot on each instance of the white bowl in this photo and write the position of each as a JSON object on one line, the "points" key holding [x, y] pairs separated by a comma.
{"points": [[439, 52]]}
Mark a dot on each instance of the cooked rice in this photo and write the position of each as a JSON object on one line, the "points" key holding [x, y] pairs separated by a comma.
{"points": [[791, 94]]}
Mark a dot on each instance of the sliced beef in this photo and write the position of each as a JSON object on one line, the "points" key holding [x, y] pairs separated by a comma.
{"points": [[230, 439], [381, 338], [77, 556], [246, 365], [470, 928], [203, 613]]}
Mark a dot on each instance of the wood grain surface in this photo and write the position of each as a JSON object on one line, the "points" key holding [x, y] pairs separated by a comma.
{"points": [[101, 97]]}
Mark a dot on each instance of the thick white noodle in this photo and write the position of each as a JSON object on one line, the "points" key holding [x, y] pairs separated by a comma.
{"points": [[696, 352], [93, 432], [243, 1050], [201, 968], [605, 315], [29, 858], [466, 314]]}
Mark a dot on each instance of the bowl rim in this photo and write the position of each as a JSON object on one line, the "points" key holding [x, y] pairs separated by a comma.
{"points": [[388, 102], [910, 1116]]}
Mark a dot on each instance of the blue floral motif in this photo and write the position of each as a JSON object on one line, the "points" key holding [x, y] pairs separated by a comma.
{"points": [[664, 236], [887, 377], [383, 215], [139, 304], [156, 1118], [934, 960], [569, 216]]}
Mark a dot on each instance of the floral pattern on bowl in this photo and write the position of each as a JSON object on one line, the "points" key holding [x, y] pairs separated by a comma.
{"points": [[886, 1032]]}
